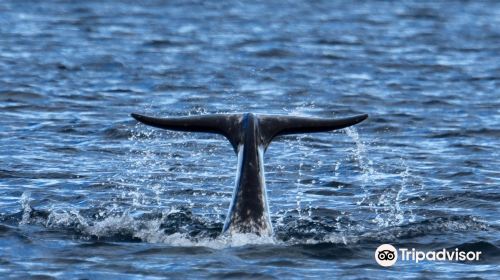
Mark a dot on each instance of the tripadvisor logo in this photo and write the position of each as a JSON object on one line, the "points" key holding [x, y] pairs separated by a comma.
{"points": [[387, 255]]}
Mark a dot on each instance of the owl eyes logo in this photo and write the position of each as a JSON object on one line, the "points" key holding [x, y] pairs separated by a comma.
{"points": [[386, 255]]}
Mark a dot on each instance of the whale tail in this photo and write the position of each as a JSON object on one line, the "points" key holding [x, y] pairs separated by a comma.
{"points": [[249, 134], [273, 126], [223, 124], [230, 125]]}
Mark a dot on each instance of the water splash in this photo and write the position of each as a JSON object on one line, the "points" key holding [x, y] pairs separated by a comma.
{"points": [[388, 205], [179, 227], [26, 207], [144, 184], [298, 184], [360, 154]]}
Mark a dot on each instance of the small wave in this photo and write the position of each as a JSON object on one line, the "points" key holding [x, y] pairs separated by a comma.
{"points": [[4, 229], [434, 226], [490, 252], [162, 43], [328, 193], [120, 131], [332, 56], [241, 275], [37, 175], [19, 96], [65, 149], [421, 13], [173, 87], [327, 250], [102, 65], [337, 42], [437, 102], [338, 184], [493, 132], [278, 53]]}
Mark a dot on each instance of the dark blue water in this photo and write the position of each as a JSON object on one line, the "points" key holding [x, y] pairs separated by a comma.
{"points": [[86, 192]]}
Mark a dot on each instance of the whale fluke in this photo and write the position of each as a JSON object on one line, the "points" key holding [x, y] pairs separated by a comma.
{"points": [[273, 126], [228, 125], [250, 135], [224, 124]]}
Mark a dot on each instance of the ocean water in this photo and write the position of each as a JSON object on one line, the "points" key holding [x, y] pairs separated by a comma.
{"points": [[88, 193]]}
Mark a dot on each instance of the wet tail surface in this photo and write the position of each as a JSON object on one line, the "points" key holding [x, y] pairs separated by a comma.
{"points": [[250, 136]]}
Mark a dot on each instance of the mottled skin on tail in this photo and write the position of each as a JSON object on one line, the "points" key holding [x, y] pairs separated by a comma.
{"points": [[250, 135]]}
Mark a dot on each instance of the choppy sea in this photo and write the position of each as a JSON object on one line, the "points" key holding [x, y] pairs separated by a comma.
{"points": [[88, 193]]}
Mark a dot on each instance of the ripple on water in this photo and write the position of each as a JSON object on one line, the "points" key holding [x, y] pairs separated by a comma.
{"points": [[111, 198]]}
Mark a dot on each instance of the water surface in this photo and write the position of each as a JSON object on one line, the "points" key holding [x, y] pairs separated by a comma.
{"points": [[86, 192]]}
